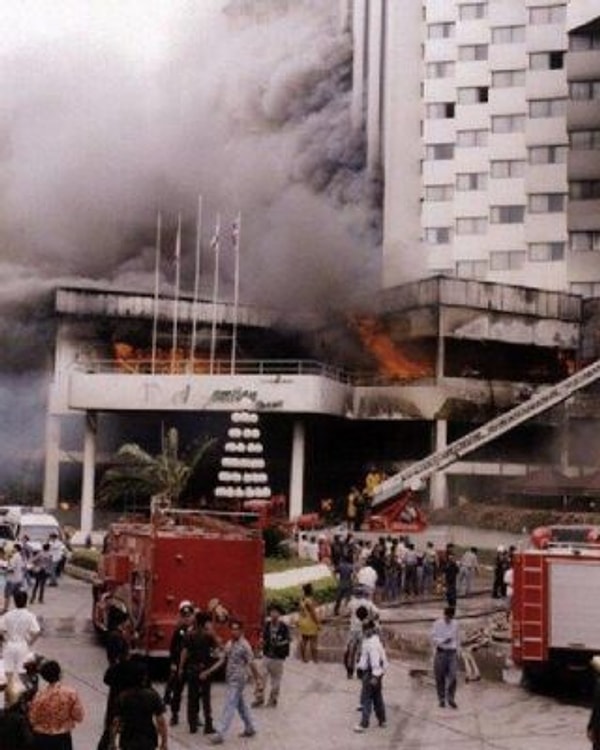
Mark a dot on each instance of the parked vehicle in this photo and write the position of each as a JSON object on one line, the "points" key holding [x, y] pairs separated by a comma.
{"points": [[147, 569]]}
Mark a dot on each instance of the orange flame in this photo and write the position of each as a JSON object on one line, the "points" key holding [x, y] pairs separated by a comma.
{"points": [[130, 359], [392, 362]]}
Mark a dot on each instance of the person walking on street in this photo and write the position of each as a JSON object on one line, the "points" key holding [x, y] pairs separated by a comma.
{"points": [[55, 711], [58, 553], [344, 571], [240, 659], [308, 625], [41, 565], [176, 681], [446, 641], [15, 574], [20, 628], [371, 667], [140, 712], [276, 648]]}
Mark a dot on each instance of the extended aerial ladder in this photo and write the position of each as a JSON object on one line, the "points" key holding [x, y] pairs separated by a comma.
{"points": [[412, 476]]}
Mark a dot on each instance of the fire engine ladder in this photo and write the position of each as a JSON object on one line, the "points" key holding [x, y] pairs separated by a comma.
{"points": [[539, 402], [532, 608]]}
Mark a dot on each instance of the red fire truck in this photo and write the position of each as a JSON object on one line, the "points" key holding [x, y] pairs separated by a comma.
{"points": [[148, 568], [555, 608]]}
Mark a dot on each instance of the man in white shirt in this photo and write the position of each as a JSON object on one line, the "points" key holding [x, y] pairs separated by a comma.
{"points": [[371, 667], [57, 553], [446, 641], [15, 574], [20, 629], [468, 569], [361, 609]]}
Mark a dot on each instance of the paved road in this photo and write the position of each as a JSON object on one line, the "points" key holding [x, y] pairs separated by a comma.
{"points": [[318, 703]]}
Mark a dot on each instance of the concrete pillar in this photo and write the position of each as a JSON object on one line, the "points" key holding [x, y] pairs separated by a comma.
{"points": [[439, 481], [89, 472], [297, 470], [374, 79], [52, 462], [441, 346]]}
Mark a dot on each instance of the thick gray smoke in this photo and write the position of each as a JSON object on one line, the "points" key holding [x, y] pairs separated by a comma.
{"points": [[248, 105]]}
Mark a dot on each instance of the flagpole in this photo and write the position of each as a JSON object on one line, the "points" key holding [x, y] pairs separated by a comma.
{"points": [[237, 228], [215, 244], [156, 291], [176, 297], [196, 284]]}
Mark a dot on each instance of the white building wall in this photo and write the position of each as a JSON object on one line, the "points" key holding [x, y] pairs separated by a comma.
{"points": [[426, 64]]}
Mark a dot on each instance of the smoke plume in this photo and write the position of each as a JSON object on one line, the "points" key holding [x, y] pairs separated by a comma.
{"points": [[245, 103]]}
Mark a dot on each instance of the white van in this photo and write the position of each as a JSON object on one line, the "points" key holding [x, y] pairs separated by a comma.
{"points": [[37, 527]]}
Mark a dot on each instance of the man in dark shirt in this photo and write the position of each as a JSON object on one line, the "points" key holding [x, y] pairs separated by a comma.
{"points": [[450, 579], [15, 731], [200, 659], [176, 682], [140, 712], [276, 648], [345, 575]]}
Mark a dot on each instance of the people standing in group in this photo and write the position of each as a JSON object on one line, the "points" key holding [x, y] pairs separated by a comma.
{"points": [[177, 678], [240, 660], [276, 641], [468, 569], [139, 720], [344, 572], [41, 567], [55, 711], [15, 574], [450, 578], [201, 656], [501, 565], [58, 553], [371, 667], [308, 625], [20, 629], [445, 638]]}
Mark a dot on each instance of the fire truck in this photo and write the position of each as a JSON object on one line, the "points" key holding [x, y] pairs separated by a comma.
{"points": [[555, 608], [148, 568]]}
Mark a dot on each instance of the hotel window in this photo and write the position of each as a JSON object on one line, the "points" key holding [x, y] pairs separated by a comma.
{"points": [[439, 151], [473, 269], [473, 95], [584, 190], [584, 140], [502, 79], [473, 52], [438, 235], [546, 60], [507, 214], [584, 242], [547, 107], [439, 192], [507, 168], [508, 124], [508, 35], [546, 203], [584, 42], [471, 138], [584, 90], [471, 181], [546, 251], [547, 154], [440, 110], [507, 260], [547, 14], [443, 69], [440, 30], [471, 225], [472, 11]]}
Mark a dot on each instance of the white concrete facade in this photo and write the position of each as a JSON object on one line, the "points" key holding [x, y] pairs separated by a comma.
{"points": [[475, 137]]}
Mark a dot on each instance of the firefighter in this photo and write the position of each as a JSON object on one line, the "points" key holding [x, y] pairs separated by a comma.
{"points": [[176, 681]]}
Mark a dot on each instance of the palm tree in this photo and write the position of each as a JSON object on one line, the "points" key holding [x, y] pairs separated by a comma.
{"points": [[137, 475]]}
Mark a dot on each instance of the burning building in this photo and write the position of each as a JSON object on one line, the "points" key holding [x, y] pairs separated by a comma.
{"points": [[423, 365]]}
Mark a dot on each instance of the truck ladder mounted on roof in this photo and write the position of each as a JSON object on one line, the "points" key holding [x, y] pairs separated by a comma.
{"points": [[539, 402]]}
